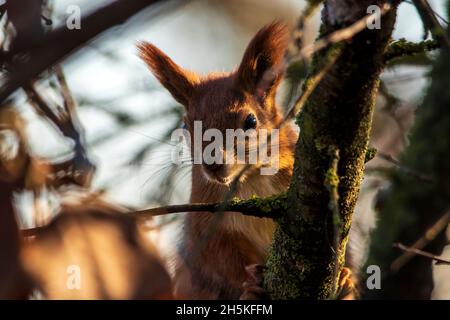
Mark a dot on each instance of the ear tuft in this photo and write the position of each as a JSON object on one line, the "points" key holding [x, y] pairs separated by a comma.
{"points": [[179, 82], [260, 69]]}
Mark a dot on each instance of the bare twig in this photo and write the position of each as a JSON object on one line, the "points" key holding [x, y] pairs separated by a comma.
{"points": [[422, 242], [72, 123], [416, 252], [79, 166], [311, 84], [309, 10], [406, 170], [342, 34], [306, 52], [430, 22], [337, 36], [444, 20], [69, 101], [42, 108], [296, 44], [64, 122]]}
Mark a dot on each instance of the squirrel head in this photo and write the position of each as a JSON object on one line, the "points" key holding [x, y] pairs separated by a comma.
{"points": [[242, 99]]}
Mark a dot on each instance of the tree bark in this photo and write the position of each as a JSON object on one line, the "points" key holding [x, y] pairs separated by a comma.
{"points": [[338, 114]]}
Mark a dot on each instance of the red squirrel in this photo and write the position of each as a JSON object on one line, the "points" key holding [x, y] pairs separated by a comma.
{"points": [[238, 99]]}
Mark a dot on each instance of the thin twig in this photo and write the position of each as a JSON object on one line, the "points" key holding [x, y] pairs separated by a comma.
{"points": [[430, 22], [422, 242], [309, 10], [411, 172], [72, 122], [69, 101], [322, 43], [436, 13], [42, 108], [416, 252], [310, 86], [337, 36], [65, 124], [342, 34]]}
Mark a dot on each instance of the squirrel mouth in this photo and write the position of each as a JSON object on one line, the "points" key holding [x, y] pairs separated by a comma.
{"points": [[224, 180], [218, 179]]}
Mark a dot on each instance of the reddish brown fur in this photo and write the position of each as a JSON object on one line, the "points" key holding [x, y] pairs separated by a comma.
{"points": [[179, 82], [224, 101]]}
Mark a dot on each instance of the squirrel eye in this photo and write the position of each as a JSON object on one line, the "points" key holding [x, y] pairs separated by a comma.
{"points": [[250, 122]]}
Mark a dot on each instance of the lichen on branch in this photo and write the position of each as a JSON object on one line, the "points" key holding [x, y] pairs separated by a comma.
{"points": [[402, 47], [261, 207]]}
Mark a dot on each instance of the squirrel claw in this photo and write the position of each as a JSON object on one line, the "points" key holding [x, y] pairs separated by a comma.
{"points": [[347, 290], [253, 285]]}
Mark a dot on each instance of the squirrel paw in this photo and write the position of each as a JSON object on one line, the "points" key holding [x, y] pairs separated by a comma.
{"points": [[253, 285], [347, 288]]}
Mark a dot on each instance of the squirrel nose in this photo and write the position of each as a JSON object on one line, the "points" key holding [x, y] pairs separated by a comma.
{"points": [[214, 167]]}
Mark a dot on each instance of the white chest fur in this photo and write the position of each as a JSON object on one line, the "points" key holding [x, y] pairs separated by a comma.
{"points": [[258, 230]]}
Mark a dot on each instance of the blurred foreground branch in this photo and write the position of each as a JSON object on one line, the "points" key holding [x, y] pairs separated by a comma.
{"points": [[57, 44], [422, 242]]}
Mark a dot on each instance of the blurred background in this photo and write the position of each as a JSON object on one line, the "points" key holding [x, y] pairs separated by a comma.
{"points": [[127, 117]]}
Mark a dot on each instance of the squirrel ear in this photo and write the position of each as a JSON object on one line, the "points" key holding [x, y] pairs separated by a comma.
{"points": [[260, 70], [180, 83]]}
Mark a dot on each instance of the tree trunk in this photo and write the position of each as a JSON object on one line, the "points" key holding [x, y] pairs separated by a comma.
{"points": [[338, 114]]}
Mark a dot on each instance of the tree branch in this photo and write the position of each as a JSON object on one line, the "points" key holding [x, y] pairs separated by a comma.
{"points": [[59, 43], [409, 171], [430, 22], [402, 47], [269, 207]]}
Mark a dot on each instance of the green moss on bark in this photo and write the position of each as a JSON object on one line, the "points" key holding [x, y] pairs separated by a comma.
{"points": [[301, 261], [402, 47]]}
